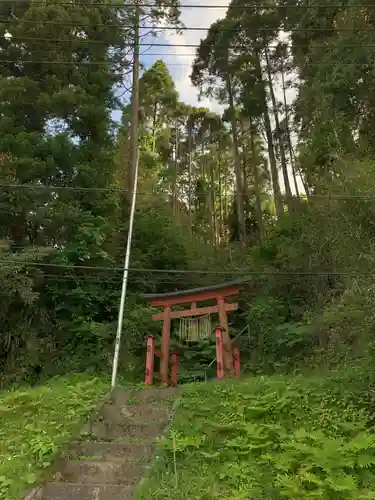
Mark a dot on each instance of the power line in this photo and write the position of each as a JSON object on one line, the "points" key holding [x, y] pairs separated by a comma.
{"points": [[164, 28], [116, 189], [241, 273], [142, 44], [126, 67], [98, 279], [119, 25], [119, 269], [81, 280], [246, 274], [290, 46], [63, 63], [189, 5], [191, 45], [56, 188]]}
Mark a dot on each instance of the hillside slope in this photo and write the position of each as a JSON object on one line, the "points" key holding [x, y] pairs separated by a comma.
{"points": [[35, 423], [267, 438]]}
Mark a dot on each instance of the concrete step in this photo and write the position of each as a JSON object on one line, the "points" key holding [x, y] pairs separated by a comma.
{"points": [[146, 413], [133, 414], [110, 451], [98, 472], [124, 434], [71, 491], [156, 395]]}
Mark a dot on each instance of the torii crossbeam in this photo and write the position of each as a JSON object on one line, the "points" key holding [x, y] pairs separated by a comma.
{"points": [[219, 293]]}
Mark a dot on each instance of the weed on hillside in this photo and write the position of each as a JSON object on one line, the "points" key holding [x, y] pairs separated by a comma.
{"points": [[35, 423], [266, 438]]}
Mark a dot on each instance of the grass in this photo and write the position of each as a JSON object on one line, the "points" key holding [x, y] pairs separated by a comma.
{"points": [[36, 422], [266, 438]]}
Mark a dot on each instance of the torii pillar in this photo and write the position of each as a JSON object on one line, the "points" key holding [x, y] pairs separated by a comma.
{"points": [[219, 293]]}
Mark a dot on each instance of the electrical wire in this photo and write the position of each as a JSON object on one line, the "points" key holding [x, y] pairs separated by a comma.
{"points": [[127, 64], [185, 6], [119, 25], [192, 45], [184, 45], [118, 269], [96, 279], [246, 274], [96, 189], [62, 63]]}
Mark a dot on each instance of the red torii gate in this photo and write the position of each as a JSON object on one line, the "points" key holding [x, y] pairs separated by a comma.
{"points": [[193, 296]]}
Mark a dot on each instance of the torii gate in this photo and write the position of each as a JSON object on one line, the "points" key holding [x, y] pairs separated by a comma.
{"points": [[216, 292]]}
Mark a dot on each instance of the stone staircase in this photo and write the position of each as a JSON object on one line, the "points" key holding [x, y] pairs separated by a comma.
{"points": [[115, 448]]}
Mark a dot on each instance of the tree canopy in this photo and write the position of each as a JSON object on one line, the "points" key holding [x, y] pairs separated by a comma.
{"points": [[276, 189]]}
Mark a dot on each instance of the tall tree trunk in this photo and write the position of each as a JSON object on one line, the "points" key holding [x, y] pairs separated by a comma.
{"points": [[270, 146], [134, 107], [302, 175], [238, 169], [174, 185], [221, 214], [190, 188], [289, 139], [213, 203], [284, 166], [225, 211], [203, 202], [244, 176], [295, 179], [154, 117], [258, 203]]}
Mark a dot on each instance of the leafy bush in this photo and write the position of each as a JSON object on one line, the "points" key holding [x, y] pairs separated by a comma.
{"points": [[277, 437], [196, 359], [349, 321], [62, 317], [36, 423], [316, 291]]}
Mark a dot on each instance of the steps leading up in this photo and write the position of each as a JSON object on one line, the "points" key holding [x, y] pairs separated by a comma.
{"points": [[111, 451], [102, 472], [66, 491], [125, 433], [115, 448]]}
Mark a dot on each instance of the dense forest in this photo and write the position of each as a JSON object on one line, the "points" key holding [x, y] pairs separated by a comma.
{"points": [[276, 192]]}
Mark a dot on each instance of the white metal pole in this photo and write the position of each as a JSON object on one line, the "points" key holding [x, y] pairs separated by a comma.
{"points": [[125, 277]]}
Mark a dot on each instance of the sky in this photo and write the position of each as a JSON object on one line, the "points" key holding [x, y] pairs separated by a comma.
{"points": [[179, 59]]}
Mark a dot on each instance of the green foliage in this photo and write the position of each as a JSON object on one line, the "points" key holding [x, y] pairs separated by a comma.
{"points": [[36, 423], [22, 315], [275, 437], [316, 292], [196, 359]]}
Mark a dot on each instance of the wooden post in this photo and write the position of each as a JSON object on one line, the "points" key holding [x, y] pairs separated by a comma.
{"points": [[165, 340], [219, 353], [175, 357], [227, 354], [237, 361], [150, 354]]}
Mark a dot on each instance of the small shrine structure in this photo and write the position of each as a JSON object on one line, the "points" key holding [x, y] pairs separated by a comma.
{"points": [[227, 358]]}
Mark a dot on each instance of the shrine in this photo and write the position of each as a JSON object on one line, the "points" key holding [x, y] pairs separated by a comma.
{"points": [[194, 325]]}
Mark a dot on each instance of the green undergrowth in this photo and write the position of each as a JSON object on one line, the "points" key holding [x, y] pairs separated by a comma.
{"points": [[266, 438], [36, 422]]}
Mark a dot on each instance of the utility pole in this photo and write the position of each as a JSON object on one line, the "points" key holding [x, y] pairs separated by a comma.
{"points": [[132, 188], [134, 108], [125, 279]]}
